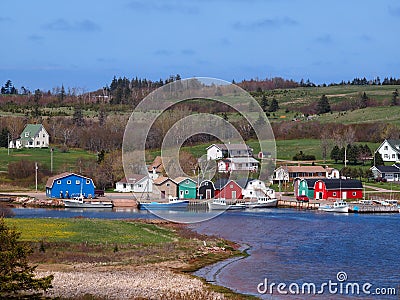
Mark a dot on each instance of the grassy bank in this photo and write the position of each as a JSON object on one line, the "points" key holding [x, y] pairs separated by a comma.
{"points": [[62, 244]]}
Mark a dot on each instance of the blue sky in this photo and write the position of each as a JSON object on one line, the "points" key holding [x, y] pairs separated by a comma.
{"points": [[46, 43]]}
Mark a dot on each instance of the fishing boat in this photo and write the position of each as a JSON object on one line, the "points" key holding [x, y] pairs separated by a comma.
{"points": [[220, 204], [262, 202], [337, 206], [80, 202], [173, 203]]}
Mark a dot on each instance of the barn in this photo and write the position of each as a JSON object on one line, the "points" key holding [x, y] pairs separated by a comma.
{"points": [[338, 189], [228, 189], [206, 190], [67, 185]]}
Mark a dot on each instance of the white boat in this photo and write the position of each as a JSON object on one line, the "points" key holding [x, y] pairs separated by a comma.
{"points": [[262, 202], [220, 204], [80, 202], [337, 206]]}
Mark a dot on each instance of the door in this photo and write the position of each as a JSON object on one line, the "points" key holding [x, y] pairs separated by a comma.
{"points": [[233, 194], [208, 194], [344, 195], [181, 194], [162, 194]]}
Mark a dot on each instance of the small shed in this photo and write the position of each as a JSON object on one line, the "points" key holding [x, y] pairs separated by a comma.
{"points": [[228, 189], [186, 187], [67, 185], [206, 190], [166, 186]]}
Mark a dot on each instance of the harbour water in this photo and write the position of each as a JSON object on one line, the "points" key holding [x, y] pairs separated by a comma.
{"points": [[293, 247]]}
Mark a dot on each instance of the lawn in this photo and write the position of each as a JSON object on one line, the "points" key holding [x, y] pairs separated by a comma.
{"points": [[94, 231], [62, 161]]}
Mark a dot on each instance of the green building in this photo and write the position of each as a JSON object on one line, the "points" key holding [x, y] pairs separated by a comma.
{"points": [[186, 188], [306, 187]]}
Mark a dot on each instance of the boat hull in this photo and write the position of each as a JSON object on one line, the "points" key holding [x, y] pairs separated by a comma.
{"points": [[335, 209], [157, 205], [269, 203], [74, 204], [217, 206]]}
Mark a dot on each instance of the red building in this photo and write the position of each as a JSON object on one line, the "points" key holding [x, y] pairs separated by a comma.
{"points": [[338, 189], [227, 189]]}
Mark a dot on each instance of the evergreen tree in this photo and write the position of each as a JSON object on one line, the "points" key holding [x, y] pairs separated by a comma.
{"points": [[364, 100], [395, 94], [16, 275], [352, 153], [61, 95], [274, 105], [36, 98], [264, 103], [4, 137], [377, 160], [323, 106], [77, 117], [335, 154]]}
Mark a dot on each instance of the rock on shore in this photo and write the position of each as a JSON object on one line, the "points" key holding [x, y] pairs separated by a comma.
{"points": [[141, 282]]}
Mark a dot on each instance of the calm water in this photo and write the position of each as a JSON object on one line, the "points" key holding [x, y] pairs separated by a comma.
{"points": [[290, 246]]}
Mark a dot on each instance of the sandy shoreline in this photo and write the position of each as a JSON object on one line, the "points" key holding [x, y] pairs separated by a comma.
{"points": [[148, 282]]}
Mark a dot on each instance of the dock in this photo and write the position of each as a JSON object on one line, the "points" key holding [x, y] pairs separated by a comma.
{"points": [[298, 204], [369, 209]]}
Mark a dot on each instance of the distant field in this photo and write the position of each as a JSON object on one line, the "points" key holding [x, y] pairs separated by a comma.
{"points": [[62, 161]]}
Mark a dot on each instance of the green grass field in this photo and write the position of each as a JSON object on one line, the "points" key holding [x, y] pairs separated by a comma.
{"points": [[61, 160], [93, 231]]}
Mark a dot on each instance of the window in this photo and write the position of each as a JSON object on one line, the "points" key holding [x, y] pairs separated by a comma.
{"points": [[37, 143], [187, 181], [87, 181], [320, 185], [139, 185], [393, 155], [386, 156], [77, 182], [167, 184], [231, 186], [26, 134], [334, 194], [58, 181], [186, 192], [385, 148], [251, 192], [30, 143], [44, 135], [354, 193]]}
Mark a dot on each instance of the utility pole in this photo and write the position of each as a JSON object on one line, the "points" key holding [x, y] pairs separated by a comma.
{"points": [[36, 171], [51, 160], [8, 144]]}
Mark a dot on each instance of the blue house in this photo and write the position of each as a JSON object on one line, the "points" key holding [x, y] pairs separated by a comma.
{"points": [[67, 185]]}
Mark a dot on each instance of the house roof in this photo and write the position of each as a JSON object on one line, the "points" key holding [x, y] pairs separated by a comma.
{"points": [[334, 184], [241, 160], [305, 169], [310, 182], [387, 169], [50, 181], [161, 180], [230, 146], [179, 180], [395, 144], [133, 178], [221, 183], [243, 182], [156, 165], [397, 165], [32, 130], [204, 181]]}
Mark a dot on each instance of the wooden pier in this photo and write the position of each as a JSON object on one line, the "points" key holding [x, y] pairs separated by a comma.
{"points": [[370, 209], [298, 204]]}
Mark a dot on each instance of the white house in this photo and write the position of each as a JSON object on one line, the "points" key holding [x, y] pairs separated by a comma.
{"points": [[388, 173], [289, 173], [136, 183], [33, 136], [255, 188], [238, 164], [219, 151], [390, 150]]}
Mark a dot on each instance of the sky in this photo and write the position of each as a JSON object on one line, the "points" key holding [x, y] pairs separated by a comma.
{"points": [[85, 43]]}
